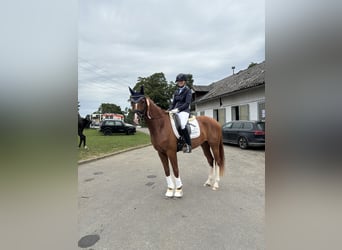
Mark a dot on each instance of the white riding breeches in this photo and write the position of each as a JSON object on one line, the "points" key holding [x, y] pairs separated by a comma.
{"points": [[183, 117]]}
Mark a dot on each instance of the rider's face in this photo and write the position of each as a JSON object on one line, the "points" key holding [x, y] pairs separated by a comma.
{"points": [[180, 83]]}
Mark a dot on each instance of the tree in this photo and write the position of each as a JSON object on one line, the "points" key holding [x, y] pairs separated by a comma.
{"points": [[157, 88], [109, 108], [252, 64]]}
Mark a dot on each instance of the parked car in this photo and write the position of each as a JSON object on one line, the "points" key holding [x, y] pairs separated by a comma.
{"points": [[244, 133], [108, 127]]}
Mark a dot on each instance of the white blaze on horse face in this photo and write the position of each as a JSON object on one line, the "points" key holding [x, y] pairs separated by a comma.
{"points": [[136, 120]]}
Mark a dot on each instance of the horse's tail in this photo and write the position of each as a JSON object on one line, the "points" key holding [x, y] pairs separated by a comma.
{"points": [[221, 160]]}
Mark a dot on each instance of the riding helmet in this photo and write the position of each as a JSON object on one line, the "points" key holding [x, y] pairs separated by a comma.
{"points": [[181, 77]]}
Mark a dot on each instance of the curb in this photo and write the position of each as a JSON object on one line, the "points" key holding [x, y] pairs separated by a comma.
{"points": [[111, 154]]}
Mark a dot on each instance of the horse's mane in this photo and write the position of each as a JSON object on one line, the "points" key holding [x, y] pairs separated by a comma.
{"points": [[151, 103]]}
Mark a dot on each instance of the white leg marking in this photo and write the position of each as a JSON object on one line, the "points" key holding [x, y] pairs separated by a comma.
{"points": [[170, 186], [179, 190], [208, 183], [217, 177]]}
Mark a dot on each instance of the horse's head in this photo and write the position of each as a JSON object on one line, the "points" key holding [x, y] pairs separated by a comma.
{"points": [[139, 104]]}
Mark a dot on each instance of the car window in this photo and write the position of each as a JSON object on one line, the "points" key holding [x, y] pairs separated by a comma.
{"points": [[118, 123], [247, 125], [227, 125], [261, 126], [110, 123], [236, 125]]}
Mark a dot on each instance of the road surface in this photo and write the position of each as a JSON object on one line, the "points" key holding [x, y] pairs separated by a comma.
{"points": [[122, 203]]}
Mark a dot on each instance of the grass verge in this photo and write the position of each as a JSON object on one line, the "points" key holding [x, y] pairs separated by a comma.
{"points": [[100, 145]]}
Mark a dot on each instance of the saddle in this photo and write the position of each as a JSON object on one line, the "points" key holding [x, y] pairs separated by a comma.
{"points": [[192, 126]]}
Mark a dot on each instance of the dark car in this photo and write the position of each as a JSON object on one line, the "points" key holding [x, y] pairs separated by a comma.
{"points": [[244, 133], [108, 127]]}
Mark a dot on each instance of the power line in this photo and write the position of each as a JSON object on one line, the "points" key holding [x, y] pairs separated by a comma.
{"points": [[112, 78]]}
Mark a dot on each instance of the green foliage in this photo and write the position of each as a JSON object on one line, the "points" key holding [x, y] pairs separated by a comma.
{"points": [[109, 108], [157, 88], [100, 145], [252, 64]]}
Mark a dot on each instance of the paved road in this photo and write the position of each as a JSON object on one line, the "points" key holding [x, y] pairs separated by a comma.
{"points": [[122, 203]]}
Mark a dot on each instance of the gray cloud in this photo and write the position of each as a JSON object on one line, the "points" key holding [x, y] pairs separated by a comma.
{"points": [[120, 41]]}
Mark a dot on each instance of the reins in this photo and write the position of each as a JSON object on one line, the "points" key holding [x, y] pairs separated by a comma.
{"points": [[145, 112]]}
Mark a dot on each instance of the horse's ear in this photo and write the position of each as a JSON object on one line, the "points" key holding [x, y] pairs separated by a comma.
{"points": [[142, 90], [131, 90]]}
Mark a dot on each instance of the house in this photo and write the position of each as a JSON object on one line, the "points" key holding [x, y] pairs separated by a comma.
{"points": [[240, 96]]}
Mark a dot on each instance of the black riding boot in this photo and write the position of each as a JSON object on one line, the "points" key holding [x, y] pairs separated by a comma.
{"points": [[187, 140]]}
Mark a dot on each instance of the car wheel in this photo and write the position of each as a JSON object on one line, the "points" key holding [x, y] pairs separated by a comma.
{"points": [[107, 132], [243, 143]]}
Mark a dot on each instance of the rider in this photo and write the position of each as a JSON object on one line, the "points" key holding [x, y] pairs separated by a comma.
{"points": [[181, 106]]}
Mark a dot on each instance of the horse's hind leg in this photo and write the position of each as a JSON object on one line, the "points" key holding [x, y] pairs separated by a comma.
{"points": [[82, 140], [216, 167], [85, 142], [206, 150]]}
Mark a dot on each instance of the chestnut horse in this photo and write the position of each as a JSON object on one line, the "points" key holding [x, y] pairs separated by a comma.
{"points": [[165, 142]]}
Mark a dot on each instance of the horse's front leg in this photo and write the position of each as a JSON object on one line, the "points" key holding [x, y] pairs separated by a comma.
{"points": [[174, 163], [170, 185]]}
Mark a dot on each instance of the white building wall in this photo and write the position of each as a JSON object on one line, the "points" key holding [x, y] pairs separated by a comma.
{"points": [[251, 97], [253, 111], [228, 114], [209, 112]]}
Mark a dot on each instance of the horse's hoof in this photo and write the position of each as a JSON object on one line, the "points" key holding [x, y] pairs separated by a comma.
{"points": [[169, 192], [179, 192], [207, 184], [215, 187]]}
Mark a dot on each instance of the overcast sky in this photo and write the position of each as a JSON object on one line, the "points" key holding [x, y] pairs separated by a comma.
{"points": [[121, 40]]}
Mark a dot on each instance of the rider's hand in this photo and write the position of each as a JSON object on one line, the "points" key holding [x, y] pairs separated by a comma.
{"points": [[173, 111]]}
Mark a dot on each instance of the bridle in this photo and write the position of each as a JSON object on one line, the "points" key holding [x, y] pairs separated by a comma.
{"points": [[135, 100]]}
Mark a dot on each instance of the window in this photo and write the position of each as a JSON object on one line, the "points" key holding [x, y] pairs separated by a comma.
{"points": [[240, 112], [228, 125], [118, 123], [261, 126], [219, 115], [110, 123], [247, 125], [261, 111], [236, 125], [244, 112]]}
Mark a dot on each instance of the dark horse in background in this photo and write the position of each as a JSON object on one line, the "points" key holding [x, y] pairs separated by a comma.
{"points": [[165, 142], [82, 124]]}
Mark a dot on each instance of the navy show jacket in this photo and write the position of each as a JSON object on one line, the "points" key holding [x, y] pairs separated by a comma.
{"points": [[182, 100]]}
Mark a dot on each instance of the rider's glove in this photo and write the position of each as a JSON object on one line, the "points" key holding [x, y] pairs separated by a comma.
{"points": [[174, 111]]}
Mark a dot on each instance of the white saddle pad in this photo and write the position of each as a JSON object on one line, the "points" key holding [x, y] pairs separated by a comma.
{"points": [[195, 129]]}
